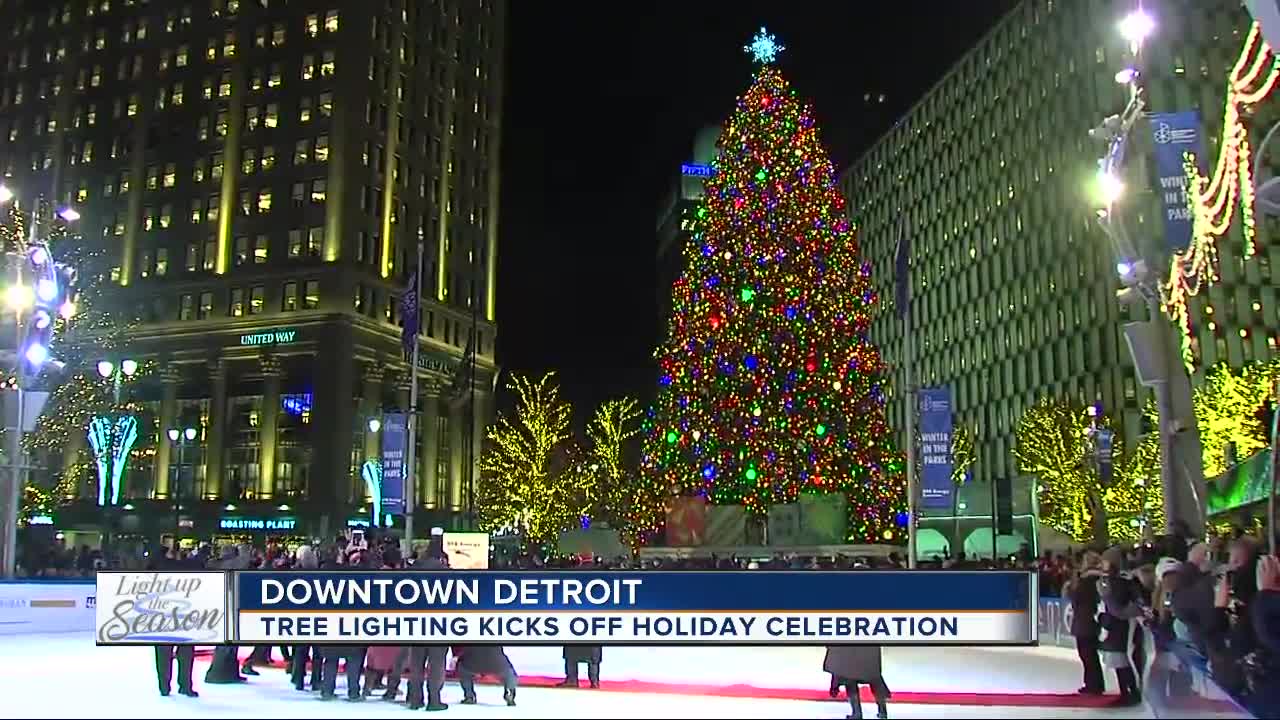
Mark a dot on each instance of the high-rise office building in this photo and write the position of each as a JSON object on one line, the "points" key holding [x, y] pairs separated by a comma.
{"points": [[1013, 282], [263, 173], [674, 219]]}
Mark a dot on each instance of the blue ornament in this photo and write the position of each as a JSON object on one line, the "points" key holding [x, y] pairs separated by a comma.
{"points": [[791, 312], [750, 361], [902, 519], [709, 472], [665, 380]]}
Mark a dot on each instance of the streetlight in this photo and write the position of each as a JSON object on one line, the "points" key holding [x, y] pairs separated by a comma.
{"points": [[6, 195], [107, 370], [181, 438], [1136, 27], [375, 425]]}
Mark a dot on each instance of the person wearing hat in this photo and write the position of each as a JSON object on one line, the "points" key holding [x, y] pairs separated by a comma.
{"points": [[1122, 606]]}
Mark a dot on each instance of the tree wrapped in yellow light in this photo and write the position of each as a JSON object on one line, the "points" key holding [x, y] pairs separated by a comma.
{"points": [[1054, 444], [963, 455], [1226, 406], [620, 496], [532, 475]]}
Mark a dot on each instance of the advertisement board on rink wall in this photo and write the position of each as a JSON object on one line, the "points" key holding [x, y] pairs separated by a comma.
{"points": [[29, 607]]}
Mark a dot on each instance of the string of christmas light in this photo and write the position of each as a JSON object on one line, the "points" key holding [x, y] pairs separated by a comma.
{"points": [[1212, 200], [1226, 406], [769, 383]]}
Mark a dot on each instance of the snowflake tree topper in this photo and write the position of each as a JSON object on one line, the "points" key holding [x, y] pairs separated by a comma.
{"points": [[764, 47]]}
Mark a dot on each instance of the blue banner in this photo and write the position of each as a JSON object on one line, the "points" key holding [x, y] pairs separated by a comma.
{"points": [[1173, 135], [720, 591], [936, 487], [394, 437]]}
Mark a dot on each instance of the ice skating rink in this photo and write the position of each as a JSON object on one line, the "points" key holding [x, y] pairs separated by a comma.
{"points": [[638, 683]]}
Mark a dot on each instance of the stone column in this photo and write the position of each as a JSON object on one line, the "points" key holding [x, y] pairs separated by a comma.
{"points": [[457, 416], [429, 414], [170, 378], [481, 424], [331, 482], [268, 424], [371, 407], [214, 456]]}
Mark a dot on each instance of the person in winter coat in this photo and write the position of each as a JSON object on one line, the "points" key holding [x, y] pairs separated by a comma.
{"points": [[1122, 605], [575, 655], [307, 560], [1082, 591], [485, 660], [1193, 599], [165, 654], [428, 660], [384, 662], [1266, 604], [225, 667], [851, 665], [352, 655]]}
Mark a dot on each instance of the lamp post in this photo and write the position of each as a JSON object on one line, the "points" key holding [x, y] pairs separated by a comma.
{"points": [[1149, 342], [180, 438], [111, 439], [37, 304]]}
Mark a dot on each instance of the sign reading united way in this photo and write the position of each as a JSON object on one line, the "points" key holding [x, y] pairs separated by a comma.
{"points": [[170, 608]]}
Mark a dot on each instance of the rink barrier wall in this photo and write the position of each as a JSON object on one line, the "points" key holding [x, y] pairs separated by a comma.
{"points": [[52, 606]]}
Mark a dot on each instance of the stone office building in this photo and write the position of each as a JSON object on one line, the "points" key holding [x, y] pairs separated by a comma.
{"points": [[263, 173]]}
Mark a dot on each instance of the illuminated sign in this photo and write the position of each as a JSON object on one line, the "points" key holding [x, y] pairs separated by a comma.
{"points": [[271, 337], [251, 523], [40, 520], [693, 170], [437, 363]]}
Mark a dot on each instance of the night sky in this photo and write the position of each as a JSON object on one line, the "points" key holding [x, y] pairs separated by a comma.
{"points": [[602, 105]]}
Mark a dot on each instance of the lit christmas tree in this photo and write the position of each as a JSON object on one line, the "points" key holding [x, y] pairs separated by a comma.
{"points": [[770, 386]]}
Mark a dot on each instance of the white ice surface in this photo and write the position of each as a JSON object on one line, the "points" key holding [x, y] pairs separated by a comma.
{"points": [[36, 672]]}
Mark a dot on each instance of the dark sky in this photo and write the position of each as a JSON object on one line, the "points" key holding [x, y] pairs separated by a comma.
{"points": [[602, 106]]}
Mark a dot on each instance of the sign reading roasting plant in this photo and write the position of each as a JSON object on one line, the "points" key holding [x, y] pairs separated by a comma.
{"points": [[174, 608]]}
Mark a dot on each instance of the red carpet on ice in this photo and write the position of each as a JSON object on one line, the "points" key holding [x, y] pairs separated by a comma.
{"points": [[1045, 700]]}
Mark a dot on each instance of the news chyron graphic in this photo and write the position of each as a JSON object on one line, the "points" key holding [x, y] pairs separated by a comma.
{"points": [[162, 608], [637, 608]]}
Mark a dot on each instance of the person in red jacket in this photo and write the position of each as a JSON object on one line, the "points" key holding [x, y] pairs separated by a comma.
{"points": [[484, 660]]}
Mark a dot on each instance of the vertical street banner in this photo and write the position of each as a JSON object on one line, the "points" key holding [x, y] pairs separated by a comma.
{"points": [[1173, 135], [1105, 445], [394, 440], [935, 448]]}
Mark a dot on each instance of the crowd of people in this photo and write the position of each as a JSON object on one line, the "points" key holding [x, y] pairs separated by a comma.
{"points": [[1216, 604]]}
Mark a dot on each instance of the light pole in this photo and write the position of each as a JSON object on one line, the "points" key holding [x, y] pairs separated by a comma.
{"points": [[38, 303], [111, 439], [1149, 342], [180, 438]]}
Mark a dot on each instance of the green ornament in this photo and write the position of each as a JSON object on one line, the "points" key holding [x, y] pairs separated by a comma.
{"points": [[761, 175], [751, 473], [747, 294], [820, 430], [672, 437]]}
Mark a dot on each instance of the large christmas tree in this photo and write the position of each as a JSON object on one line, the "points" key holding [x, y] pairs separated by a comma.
{"points": [[770, 386]]}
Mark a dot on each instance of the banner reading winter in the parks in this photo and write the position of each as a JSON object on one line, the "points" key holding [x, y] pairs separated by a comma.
{"points": [[394, 433], [769, 383], [1174, 135], [935, 448]]}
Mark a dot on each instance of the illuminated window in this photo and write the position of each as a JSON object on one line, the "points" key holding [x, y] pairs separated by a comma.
{"points": [[277, 35], [331, 21], [260, 250], [170, 175], [264, 200], [220, 127], [207, 92], [175, 94], [229, 45], [211, 50], [315, 241], [100, 40], [180, 58], [311, 295], [251, 118], [322, 149], [313, 25], [255, 79], [162, 261], [224, 85], [82, 194], [197, 216], [241, 254], [210, 255], [268, 157], [212, 209], [271, 118], [132, 108], [295, 243], [246, 202], [215, 166], [325, 106], [86, 156], [299, 193], [166, 215], [237, 303], [304, 110], [274, 79], [148, 220], [205, 308], [197, 171], [202, 128], [329, 63], [290, 300], [260, 37], [186, 307], [249, 161], [166, 58], [319, 190], [301, 152], [257, 299], [308, 66]]}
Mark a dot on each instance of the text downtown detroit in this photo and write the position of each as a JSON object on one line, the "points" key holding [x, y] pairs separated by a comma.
{"points": [[421, 607]]}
